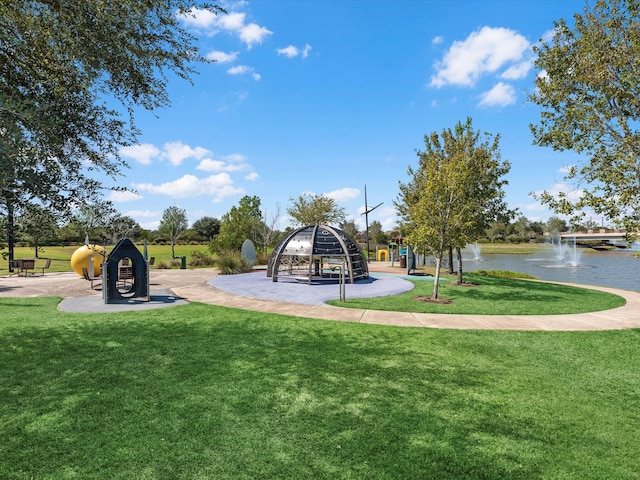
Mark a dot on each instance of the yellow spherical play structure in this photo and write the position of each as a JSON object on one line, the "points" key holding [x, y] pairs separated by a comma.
{"points": [[83, 255]]}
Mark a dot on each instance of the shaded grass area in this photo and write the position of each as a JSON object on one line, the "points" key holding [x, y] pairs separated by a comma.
{"points": [[210, 392], [493, 296]]}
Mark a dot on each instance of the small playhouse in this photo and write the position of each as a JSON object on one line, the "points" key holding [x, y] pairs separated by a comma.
{"points": [[317, 253]]}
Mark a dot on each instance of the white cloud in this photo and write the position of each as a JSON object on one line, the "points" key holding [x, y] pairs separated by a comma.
{"points": [[126, 196], [292, 51], [242, 70], [343, 194], [572, 194], [152, 218], [253, 33], [566, 170], [235, 157], [200, 19], [177, 152], [219, 186], [222, 57], [233, 22], [437, 40], [484, 51], [289, 51], [252, 176], [501, 95], [143, 153], [143, 213], [210, 165], [518, 71]]}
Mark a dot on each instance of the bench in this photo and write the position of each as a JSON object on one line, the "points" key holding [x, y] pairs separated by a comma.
{"points": [[47, 264], [85, 274]]}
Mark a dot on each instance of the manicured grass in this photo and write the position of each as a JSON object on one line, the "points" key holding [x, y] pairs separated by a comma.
{"points": [[61, 256], [209, 392], [493, 296]]}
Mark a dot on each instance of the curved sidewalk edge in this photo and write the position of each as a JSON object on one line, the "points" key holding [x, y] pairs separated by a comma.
{"points": [[627, 316]]}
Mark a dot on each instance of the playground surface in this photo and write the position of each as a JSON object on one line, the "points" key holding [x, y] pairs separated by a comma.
{"points": [[258, 293]]}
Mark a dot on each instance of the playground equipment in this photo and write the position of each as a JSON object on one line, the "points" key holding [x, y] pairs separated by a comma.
{"points": [[90, 257], [315, 253], [383, 255]]}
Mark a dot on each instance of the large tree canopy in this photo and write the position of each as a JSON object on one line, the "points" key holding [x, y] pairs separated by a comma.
{"points": [[310, 209], [62, 65], [589, 91], [242, 222]]}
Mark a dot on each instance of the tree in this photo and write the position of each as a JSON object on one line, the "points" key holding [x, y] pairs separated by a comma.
{"points": [[239, 224], [62, 65], [350, 228], [588, 91], [173, 223], [93, 220], [37, 223], [521, 226], [311, 209], [206, 227], [121, 226], [455, 192], [496, 230], [266, 229], [555, 226]]}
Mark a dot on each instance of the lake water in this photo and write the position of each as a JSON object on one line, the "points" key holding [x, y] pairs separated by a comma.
{"points": [[618, 269]]}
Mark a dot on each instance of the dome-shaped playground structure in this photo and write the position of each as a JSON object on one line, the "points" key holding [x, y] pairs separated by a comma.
{"points": [[316, 253]]}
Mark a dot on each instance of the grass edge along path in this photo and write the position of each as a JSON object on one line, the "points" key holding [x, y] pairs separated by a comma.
{"points": [[201, 391], [492, 295]]}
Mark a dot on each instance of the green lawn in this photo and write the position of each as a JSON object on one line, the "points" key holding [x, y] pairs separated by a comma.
{"points": [[492, 296], [200, 391]]}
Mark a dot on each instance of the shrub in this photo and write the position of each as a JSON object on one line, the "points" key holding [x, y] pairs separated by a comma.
{"points": [[163, 265], [230, 263], [506, 273], [262, 258], [200, 259]]}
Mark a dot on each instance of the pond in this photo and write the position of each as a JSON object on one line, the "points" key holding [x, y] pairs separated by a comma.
{"points": [[618, 268]]}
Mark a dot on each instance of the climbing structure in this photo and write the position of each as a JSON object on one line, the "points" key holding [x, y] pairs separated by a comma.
{"points": [[317, 253]]}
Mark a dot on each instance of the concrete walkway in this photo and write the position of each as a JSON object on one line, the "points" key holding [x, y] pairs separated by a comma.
{"points": [[173, 287]]}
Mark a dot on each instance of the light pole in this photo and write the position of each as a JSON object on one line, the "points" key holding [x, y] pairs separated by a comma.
{"points": [[366, 212]]}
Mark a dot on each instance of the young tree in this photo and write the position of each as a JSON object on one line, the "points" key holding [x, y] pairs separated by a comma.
{"points": [[588, 90], [62, 65], [242, 222], [311, 209], [173, 223], [267, 228], [455, 192]]}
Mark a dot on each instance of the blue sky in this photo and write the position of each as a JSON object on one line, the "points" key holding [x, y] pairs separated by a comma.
{"points": [[326, 96]]}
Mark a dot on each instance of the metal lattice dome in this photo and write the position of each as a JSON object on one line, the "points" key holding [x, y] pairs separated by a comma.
{"points": [[317, 252]]}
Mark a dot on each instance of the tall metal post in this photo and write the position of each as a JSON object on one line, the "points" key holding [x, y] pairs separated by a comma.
{"points": [[366, 218]]}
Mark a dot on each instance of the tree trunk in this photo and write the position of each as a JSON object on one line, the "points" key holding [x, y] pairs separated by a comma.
{"points": [[10, 237], [436, 277], [459, 255], [450, 260]]}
